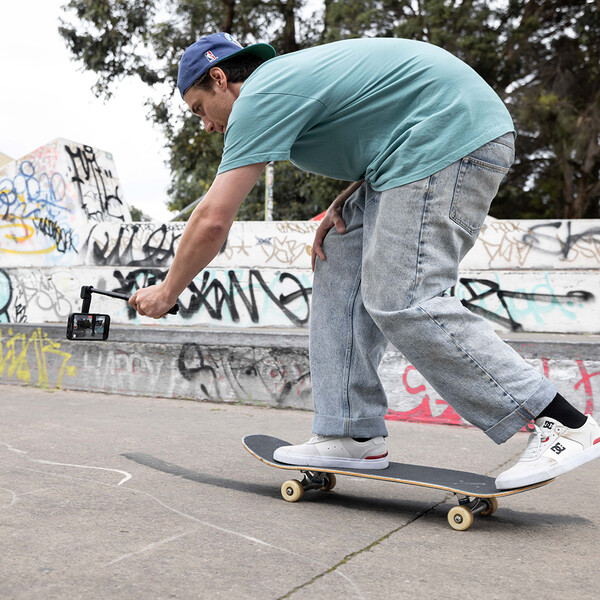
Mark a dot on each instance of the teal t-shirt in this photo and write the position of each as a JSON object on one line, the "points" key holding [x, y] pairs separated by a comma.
{"points": [[390, 111]]}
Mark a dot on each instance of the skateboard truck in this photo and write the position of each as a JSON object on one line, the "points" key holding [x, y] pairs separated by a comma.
{"points": [[313, 480], [461, 517], [91, 326]]}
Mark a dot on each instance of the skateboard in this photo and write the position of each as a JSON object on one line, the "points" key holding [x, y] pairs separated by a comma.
{"points": [[477, 494]]}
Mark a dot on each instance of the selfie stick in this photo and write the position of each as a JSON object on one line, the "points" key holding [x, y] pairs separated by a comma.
{"points": [[88, 290]]}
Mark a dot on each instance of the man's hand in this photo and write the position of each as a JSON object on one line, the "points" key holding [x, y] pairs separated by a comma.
{"points": [[152, 301], [332, 218]]}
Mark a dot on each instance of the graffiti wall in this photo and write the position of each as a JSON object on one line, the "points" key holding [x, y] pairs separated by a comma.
{"points": [[32, 357], [411, 397], [217, 297], [64, 224], [530, 244], [270, 374], [536, 301], [249, 245], [276, 376], [48, 199]]}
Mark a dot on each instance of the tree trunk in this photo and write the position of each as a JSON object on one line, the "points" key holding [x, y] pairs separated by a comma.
{"points": [[229, 15], [288, 11]]}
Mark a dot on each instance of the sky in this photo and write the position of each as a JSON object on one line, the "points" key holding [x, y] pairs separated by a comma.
{"points": [[45, 95]]}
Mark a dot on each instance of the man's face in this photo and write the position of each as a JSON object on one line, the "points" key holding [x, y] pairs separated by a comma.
{"points": [[214, 105]]}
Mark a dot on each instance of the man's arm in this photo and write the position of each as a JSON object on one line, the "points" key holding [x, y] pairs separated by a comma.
{"points": [[204, 235], [332, 218]]}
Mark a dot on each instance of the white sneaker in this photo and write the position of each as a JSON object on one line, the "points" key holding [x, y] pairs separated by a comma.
{"points": [[334, 452], [552, 450]]}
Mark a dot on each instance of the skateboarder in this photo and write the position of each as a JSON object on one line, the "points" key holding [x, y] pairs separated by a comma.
{"points": [[426, 143]]}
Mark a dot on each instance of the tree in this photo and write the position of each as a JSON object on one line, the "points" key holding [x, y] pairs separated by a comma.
{"points": [[145, 39], [553, 53], [541, 56], [137, 214]]}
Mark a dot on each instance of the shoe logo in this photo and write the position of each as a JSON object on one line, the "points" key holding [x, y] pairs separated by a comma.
{"points": [[548, 425], [545, 439], [558, 448]]}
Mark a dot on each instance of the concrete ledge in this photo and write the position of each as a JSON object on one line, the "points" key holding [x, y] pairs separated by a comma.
{"points": [[209, 336], [531, 345], [556, 345], [259, 366]]}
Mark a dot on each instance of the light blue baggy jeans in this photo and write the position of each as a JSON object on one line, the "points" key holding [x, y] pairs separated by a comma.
{"points": [[387, 278]]}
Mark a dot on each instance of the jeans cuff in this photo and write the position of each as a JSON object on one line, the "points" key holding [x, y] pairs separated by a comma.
{"points": [[368, 427], [524, 413]]}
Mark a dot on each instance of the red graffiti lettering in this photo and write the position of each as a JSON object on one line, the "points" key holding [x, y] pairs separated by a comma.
{"points": [[587, 386], [545, 363], [423, 414], [409, 389]]}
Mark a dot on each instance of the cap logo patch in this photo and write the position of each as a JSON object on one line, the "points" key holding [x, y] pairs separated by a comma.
{"points": [[210, 56], [231, 39]]}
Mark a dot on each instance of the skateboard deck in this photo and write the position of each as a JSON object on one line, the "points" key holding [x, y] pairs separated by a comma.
{"points": [[479, 493]]}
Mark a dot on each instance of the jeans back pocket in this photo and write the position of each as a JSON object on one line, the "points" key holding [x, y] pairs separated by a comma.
{"points": [[477, 184]]}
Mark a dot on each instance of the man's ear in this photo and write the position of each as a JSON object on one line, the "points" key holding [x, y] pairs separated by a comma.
{"points": [[219, 77]]}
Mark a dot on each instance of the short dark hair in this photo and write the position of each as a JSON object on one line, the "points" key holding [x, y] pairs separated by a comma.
{"points": [[237, 69]]}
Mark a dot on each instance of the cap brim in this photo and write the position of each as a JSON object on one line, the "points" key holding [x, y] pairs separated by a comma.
{"points": [[264, 51]]}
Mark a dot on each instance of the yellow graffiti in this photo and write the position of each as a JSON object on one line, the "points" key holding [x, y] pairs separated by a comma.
{"points": [[29, 232], [17, 350], [44, 251]]}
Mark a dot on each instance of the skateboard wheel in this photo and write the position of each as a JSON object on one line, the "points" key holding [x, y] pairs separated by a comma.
{"points": [[330, 483], [492, 507], [292, 490], [460, 518]]}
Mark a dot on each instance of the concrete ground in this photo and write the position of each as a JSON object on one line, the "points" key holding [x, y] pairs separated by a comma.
{"points": [[107, 496]]}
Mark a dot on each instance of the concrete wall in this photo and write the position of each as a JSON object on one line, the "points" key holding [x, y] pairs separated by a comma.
{"points": [[64, 224], [535, 276], [265, 367]]}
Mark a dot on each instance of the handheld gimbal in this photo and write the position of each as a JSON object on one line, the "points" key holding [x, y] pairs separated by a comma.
{"points": [[91, 326]]}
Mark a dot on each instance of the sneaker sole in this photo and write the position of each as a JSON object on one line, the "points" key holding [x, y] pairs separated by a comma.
{"points": [[326, 462], [560, 469]]}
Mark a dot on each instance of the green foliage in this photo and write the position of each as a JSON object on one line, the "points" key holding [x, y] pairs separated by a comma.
{"points": [[137, 215], [543, 59], [556, 104]]}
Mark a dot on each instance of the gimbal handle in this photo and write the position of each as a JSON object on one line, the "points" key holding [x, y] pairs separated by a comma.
{"points": [[88, 290]]}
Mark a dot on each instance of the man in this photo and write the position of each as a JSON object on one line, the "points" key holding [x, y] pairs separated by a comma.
{"points": [[426, 142]]}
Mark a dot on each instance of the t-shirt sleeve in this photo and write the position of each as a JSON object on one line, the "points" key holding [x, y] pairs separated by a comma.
{"points": [[263, 127]]}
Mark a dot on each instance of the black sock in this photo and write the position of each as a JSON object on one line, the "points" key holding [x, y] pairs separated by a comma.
{"points": [[361, 439], [564, 412]]}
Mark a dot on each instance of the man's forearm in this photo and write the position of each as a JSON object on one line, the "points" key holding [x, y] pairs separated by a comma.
{"points": [[200, 243], [207, 228], [204, 235]]}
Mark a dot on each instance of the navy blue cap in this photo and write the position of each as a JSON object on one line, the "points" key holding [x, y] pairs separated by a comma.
{"points": [[210, 51]]}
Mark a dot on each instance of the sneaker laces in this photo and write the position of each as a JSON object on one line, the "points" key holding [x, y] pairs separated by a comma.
{"points": [[534, 444]]}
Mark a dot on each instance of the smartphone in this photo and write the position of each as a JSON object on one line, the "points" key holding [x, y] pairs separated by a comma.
{"points": [[81, 326]]}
